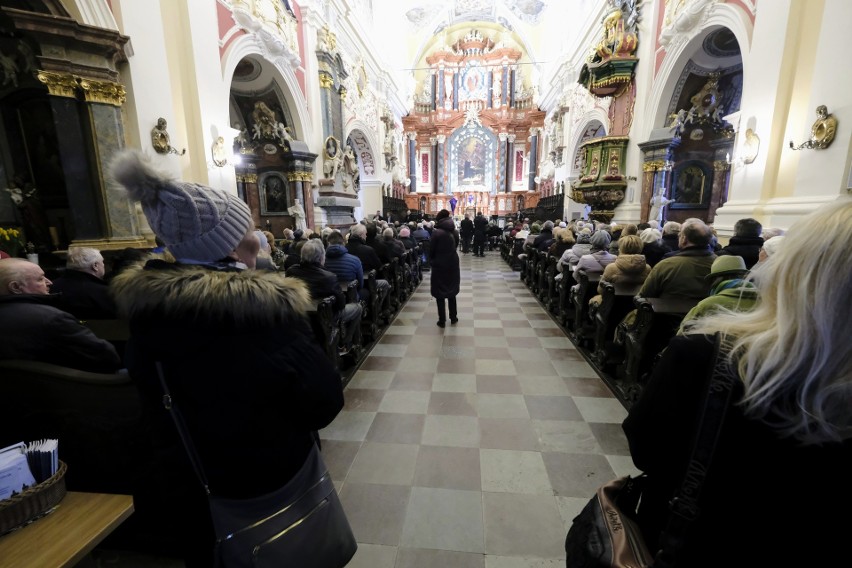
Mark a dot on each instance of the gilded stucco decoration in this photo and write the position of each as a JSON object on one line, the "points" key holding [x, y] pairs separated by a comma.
{"points": [[609, 67]]}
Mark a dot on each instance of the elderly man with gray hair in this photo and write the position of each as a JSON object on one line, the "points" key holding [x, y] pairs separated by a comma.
{"points": [[322, 284], [683, 273], [84, 293], [34, 329]]}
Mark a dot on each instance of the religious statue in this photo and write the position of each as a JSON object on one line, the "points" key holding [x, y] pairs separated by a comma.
{"points": [[658, 203], [265, 122], [34, 219], [298, 213]]}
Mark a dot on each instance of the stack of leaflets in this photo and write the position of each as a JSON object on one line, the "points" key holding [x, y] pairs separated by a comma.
{"points": [[43, 459], [15, 474]]}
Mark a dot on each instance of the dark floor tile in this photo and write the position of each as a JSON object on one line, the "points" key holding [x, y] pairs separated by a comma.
{"points": [[381, 364], [391, 428], [362, 400]]}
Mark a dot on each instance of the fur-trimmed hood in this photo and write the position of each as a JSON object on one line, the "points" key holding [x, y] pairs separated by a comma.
{"points": [[184, 292]]}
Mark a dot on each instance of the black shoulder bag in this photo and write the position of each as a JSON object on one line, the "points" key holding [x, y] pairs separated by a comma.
{"points": [[301, 524], [606, 535]]}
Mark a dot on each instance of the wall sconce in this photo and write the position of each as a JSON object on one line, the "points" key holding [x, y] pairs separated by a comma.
{"points": [[222, 156], [748, 151], [822, 132], [750, 147]]}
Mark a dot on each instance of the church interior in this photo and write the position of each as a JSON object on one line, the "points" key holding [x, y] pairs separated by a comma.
{"points": [[474, 446]]}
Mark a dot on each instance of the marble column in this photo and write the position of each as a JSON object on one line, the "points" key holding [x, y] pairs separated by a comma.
{"points": [[439, 164], [501, 162], [510, 159], [412, 161], [533, 158]]}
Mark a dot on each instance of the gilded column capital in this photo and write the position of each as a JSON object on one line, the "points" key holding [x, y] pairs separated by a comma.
{"points": [[300, 176], [342, 92], [326, 81], [653, 165], [59, 84], [103, 92]]}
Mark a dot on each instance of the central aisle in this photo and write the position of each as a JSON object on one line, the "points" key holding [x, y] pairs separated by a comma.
{"points": [[473, 445]]}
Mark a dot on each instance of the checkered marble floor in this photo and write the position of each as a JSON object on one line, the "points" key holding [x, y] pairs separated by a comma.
{"points": [[473, 445]]}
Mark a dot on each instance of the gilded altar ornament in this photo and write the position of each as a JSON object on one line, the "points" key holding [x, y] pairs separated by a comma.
{"points": [[822, 132]]}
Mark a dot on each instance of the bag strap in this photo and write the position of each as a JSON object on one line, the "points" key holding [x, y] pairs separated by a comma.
{"points": [[683, 508], [177, 417]]}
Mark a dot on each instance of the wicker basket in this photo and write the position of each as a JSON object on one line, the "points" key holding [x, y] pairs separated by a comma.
{"points": [[32, 503]]}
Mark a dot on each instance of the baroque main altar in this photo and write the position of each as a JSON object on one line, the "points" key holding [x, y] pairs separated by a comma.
{"points": [[475, 132]]}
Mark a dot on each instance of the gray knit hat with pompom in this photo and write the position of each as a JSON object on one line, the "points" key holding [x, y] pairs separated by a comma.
{"points": [[195, 221]]}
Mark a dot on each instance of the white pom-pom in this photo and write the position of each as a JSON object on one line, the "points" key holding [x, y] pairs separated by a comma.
{"points": [[134, 171]]}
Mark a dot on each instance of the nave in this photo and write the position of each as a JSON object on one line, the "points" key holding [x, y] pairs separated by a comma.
{"points": [[473, 445]]}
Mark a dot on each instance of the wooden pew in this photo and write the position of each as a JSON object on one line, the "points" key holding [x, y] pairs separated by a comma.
{"points": [[656, 322], [325, 330], [566, 308], [541, 269], [370, 322], [616, 302], [587, 284], [551, 293]]}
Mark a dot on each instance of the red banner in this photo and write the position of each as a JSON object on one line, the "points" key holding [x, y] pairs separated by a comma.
{"points": [[519, 165], [424, 168]]}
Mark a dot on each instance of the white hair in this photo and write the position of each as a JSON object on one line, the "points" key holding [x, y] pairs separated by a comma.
{"points": [[82, 258], [313, 252], [358, 230], [771, 245], [388, 233], [771, 232], [792, 350], [671, 228]]}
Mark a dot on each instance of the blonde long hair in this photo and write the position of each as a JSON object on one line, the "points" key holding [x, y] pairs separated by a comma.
{"points": [[793, 351]]}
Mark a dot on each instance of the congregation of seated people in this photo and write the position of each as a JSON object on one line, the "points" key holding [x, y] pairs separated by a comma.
{"points": [[678, 273]]}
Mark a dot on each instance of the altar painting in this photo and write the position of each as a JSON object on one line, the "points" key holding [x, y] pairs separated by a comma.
{"points": [[472, 160]]}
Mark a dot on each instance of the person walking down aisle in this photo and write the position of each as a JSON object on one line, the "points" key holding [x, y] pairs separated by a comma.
{"points": [[768, 496], [480, 234], [236, 351], [446, 276], [466, 231]]}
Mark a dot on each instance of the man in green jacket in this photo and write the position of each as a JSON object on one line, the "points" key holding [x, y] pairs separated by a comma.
{"points": [[682, 275]]}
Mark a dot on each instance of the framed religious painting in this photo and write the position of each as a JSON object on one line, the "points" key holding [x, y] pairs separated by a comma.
{"points": [[692, 185], [332, 147], [272, 187]]}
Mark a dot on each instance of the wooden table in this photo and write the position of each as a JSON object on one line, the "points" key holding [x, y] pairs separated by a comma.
{"points": [[68, 534]]}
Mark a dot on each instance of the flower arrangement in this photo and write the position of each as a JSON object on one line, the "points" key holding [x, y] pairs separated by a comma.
{"points": [[10, 241]]}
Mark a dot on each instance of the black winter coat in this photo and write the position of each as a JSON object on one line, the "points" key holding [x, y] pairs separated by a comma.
{"points": [[367, 254], [444, 259], [84, 295], [761, 490], [746, 247], [34, 329], [321, 283], [480, 229], [466, 228], [245, 371]]}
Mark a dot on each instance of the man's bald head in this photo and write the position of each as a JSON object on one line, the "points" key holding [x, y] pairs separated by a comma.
{"points": [[19, 276]]}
